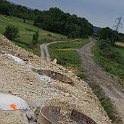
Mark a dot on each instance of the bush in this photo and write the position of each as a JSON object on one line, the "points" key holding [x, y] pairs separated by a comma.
{"points": [[11, 32], [106, 50], [106, 33]]}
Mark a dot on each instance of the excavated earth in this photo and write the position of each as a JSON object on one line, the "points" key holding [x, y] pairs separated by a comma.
{"points": [[54, 94]]}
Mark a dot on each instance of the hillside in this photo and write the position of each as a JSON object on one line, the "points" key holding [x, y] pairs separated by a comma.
{"points": [[55, 92], [54, 19], [26, 31]]}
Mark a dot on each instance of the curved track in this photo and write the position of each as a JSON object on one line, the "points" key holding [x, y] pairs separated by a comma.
{"points": [[97, 75], [44, 50]]}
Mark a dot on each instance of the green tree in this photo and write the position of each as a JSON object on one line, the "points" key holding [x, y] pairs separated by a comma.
{"points": [[11, 32], [106, 34]]}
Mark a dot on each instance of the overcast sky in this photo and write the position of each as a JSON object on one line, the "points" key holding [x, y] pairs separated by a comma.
{"points": [[99, 12]]}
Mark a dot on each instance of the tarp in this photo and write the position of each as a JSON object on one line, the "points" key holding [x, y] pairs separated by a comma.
{"points": [[11, 102]]}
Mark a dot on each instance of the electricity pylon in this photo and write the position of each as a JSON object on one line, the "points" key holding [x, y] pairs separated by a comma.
{"points": [[118, 24], [116, 28]]}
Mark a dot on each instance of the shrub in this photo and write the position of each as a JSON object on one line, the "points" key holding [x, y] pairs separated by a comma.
{"points": [[11, 32]]}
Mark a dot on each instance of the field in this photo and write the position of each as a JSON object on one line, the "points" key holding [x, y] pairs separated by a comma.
{"points": [[121, 44], [26, 31], [66, 54]]}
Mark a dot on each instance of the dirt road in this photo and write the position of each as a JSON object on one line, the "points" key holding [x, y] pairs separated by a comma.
{"points": [[96, 74], [44, 50]]}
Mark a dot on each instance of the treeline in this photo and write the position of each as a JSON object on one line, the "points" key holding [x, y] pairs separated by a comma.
{"points": [[11, 9], [57, 21], [53, 20]]}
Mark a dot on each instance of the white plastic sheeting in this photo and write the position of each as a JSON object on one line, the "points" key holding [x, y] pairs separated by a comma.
{"points": [[7, 101]]}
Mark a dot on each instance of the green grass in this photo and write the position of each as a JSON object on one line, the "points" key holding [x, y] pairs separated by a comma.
{"points": [[26, 31], [68, 58], [113, 67], [120, 50], [66, 54], [75, 44]]}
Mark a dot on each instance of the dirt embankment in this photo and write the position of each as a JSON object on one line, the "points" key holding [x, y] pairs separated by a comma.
{"points": [[53, 94], [98, 76]]}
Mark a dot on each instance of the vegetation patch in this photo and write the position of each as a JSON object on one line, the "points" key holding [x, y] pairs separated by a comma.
{"points": [[54, 19], [26, 32], [68, 58], [66, 54], [113, 58]]}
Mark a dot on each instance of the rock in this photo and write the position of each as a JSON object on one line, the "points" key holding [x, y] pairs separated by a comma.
{"points": [[55, 61]]}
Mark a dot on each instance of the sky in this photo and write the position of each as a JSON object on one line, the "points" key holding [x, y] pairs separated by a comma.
{"points": [[100, 13]]}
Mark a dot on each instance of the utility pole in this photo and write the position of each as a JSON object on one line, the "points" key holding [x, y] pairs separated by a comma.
{"points": [[116, 28]]}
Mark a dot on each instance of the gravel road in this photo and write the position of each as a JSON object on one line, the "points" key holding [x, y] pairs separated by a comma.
{"points": [[44, 50], [97, 75]]}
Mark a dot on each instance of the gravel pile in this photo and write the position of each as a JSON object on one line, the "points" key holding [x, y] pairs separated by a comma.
{"points": [[41, 92]]}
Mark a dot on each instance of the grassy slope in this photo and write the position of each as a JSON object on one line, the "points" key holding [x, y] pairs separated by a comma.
{"points": [[113, 67], [120, 50], [66, 54], [26, 32]]}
